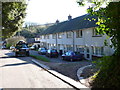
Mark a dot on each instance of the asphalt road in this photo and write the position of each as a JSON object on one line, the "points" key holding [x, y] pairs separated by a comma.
{"points": [[22, 73]]}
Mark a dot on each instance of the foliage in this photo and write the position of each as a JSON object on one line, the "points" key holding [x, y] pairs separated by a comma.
{"points": [[108, 76], [13, 40], [13, 14], [31, 31], [108, 21], [40, 58]]}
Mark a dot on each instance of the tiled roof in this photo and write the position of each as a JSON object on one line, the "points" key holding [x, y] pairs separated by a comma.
{"points": [[73, 24]]}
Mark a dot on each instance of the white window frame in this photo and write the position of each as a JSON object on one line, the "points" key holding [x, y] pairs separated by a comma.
{"points": [[60, 35], [95, 34], [69, 34], [53, 36], [80, 48], [98, 51], [79, 34]]}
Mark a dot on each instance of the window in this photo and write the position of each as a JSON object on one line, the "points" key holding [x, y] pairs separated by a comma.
{"points": [[98, 50], [54, 36], [95, 34], [41, 37], [80, 48], [44, 36], [69, 47], [59, 35], [69, 34], [47, 36], [79, 34]]}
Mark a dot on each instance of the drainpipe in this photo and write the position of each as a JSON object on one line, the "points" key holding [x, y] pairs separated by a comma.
{"points": [[56, 42], [73, 41]]}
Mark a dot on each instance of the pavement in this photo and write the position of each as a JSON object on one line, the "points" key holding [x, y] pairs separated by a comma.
{"points": [[64, 78]]}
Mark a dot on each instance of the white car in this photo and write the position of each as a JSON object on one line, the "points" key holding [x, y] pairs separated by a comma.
{"points": [[12, 47], [32, 47]]}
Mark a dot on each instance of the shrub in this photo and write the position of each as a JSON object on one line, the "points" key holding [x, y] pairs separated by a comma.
{"points": [[108, 76]]}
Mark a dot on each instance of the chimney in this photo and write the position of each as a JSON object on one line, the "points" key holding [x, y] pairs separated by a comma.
{"points": [[69, 17], [57, 21]]}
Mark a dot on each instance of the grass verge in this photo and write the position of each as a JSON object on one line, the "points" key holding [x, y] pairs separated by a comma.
{"points": [[40, 58]]}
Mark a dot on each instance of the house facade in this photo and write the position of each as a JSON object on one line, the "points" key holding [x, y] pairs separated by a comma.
{"points": [[77, 35]]}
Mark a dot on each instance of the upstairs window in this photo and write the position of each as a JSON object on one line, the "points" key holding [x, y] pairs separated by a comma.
{"points": [[54, 36], [69, 34], [47, 36], [95, 34], [79, 34], [59, 35]]}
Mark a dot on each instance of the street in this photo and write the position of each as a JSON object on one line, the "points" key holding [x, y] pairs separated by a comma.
{"points": [[22, 73]]}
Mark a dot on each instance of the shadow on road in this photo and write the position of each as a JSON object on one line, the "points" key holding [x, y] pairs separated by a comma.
{"points": [[15, 64]]}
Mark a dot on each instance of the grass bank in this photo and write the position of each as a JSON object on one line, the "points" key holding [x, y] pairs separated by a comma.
{"points": [[40, 58]]}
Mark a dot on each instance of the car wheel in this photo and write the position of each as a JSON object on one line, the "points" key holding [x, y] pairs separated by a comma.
{"points": [[62, 58], [27, 54], [50, 56], [16, 55], [71, 59]]}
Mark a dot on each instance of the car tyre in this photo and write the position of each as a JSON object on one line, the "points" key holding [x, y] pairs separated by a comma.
{"points": [[16, 54], [62, 58], [71, 60], [28, 54]]}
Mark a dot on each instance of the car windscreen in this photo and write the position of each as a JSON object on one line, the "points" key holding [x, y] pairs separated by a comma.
{"points": [[24, 46], [53, 50]]}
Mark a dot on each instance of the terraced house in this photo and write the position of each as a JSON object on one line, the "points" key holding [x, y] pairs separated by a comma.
{"points": [[77, 35]]}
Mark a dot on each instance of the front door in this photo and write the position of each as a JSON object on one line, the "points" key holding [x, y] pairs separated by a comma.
{"points": [[87, 53]]}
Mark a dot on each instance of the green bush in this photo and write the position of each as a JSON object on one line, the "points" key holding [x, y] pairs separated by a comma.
{"points": [[40, 58], [109, 74]]}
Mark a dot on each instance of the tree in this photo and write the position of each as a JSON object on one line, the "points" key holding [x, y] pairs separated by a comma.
{"points": [[13, 40], [13, 14], [108, 21]]}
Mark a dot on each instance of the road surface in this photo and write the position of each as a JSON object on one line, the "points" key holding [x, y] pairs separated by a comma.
{"points": [[22, 73]]}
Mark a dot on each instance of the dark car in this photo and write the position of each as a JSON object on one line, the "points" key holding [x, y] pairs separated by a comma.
{"points": [[42, 51], [72, 56], [21, 48], [52, 53]]}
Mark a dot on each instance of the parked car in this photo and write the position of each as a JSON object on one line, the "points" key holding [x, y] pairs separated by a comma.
{"points": [[12, 48], [32, 47], [42, 51], [21, 48], [72, 56], [3, 47], [52, 53]]}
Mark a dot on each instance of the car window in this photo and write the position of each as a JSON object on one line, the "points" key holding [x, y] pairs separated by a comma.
{"points": [[67, 53], [53, 51], [72, 53], [24, 46], [43, 49], [48, 51]]}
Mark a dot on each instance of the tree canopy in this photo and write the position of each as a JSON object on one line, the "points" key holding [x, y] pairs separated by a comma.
{"points": [[13, 14]]}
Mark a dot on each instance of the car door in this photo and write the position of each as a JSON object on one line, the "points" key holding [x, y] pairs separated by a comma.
{"points": [[67, 55]]}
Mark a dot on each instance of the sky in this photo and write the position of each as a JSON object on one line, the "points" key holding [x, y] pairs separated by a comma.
{"points": [[48, 11]]}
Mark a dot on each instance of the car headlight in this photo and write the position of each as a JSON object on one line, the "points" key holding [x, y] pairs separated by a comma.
{"points": [[17, 50], [27, 49]]}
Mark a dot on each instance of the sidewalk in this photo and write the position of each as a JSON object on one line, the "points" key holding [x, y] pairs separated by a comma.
{"points": [[66, 79]]}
